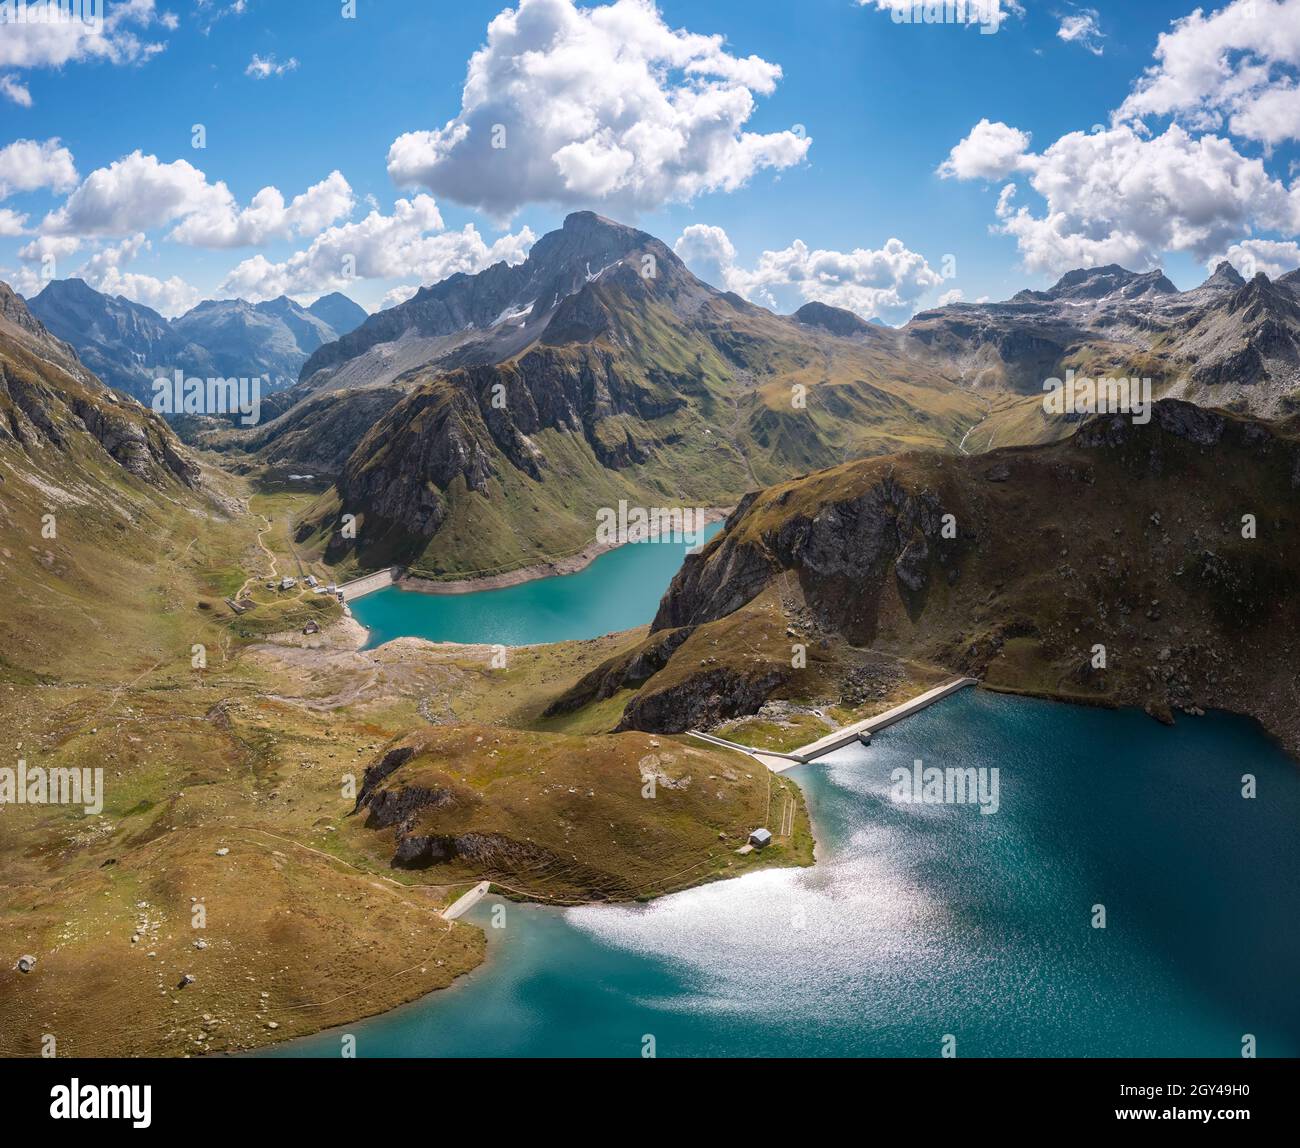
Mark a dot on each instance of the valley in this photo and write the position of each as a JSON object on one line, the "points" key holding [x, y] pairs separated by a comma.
{"points": [[291, 801]]}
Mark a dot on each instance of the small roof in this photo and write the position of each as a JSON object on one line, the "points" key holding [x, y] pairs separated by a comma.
{"points": [[761, 835]]}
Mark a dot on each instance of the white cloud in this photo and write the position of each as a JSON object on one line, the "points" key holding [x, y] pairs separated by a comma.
{"points": [[221, 223], [1236, 67], [219, 12], [42, 43], [11, 222], [1251, 256], [602, 104], [15, 91], [139, 193], [409, 243], [43, 246], [886, 283], [134, 193], [263, 67], [989, 151], [956, 295], [26, 165], [106, 271], [1116, 196], [1083, 28], [709, 252], [398, 295]]}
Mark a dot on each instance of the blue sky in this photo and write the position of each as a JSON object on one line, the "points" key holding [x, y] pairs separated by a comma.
{"points": [[1168, 170]]}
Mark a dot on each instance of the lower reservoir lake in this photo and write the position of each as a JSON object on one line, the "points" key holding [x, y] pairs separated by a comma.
{"points": [[925, 921], [619, 590]]}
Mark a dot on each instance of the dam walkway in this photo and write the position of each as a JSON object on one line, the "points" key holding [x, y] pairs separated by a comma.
{"points": [[846, 735]]}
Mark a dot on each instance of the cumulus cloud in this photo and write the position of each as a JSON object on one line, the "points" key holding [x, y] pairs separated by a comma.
{"points": [[44, 43], [106, 271], [1250, 256], [1119, 196], [264, 67], [607, 104], [1083, 28], [220, 222], [49, 246], [397, 295], [11, 222], [140, 193], [15, 91], [1237, 67], [409, 243], [886, 283], [989, 151], [28, 165]]}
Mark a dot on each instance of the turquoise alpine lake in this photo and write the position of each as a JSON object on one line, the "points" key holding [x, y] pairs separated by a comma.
{"points": [[617, 591], [921, 923]]}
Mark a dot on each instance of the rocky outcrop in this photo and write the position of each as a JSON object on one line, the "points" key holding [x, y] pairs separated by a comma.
{"points": [[629, 672], [836, 320], [841, 553], [1172, 545], [1227, 340], [49, 399], [713, 695]]}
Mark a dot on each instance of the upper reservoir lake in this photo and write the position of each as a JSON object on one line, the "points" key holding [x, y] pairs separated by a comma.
{"points": [[618, 590], [920, 921]]}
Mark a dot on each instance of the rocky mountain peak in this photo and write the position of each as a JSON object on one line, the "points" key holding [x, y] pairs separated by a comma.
{"points": [[340, 312], [14, 310], [836, 320], [1261, 296], [1112, 279], [1225, 276]]}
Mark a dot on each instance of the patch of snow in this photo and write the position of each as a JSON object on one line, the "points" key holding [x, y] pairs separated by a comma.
{"points": [[517, 314]]}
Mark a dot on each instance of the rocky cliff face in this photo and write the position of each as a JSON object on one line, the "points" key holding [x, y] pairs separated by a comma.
{"points": [[614, 373], [483, 318], [53, 409], [1226, 342], [1173, 547]]}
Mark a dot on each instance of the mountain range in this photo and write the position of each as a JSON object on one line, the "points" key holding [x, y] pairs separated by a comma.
{"points": [[473, 428], [617, 373], [128, 345], [1227, 342], [476, 426], [139, 635]]}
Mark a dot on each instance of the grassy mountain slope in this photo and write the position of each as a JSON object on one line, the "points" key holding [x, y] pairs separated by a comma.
{"points": [[1124, 537], [654, 388], [231, 758]]}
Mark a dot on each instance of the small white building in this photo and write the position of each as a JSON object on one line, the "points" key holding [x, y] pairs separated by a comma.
{"points": [[310, 580], [287, 583], [760, 838]]}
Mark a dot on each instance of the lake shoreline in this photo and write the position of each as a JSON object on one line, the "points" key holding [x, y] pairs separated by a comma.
{"points": [[551, 568]]}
